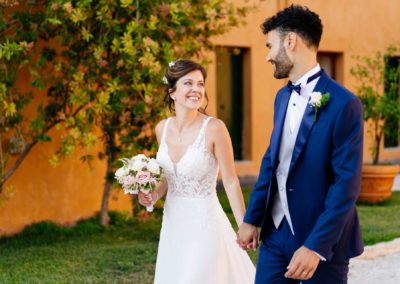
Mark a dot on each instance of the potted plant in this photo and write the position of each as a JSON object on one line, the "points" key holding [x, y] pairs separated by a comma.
{"points": [[378, 90]]}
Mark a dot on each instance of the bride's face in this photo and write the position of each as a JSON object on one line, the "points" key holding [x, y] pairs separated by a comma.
{"points": [[190, 91]]}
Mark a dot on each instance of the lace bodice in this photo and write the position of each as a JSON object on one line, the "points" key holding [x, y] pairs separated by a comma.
{"points": [[195, 174]]}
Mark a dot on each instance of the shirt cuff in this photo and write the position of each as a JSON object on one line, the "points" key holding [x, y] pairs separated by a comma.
{"points": [[320, 256]]}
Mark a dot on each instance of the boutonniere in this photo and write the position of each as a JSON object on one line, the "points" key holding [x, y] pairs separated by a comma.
{"points": [[318, 101]]}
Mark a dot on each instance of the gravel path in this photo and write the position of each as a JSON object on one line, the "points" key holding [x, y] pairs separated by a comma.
{"points": [[378, 264]]}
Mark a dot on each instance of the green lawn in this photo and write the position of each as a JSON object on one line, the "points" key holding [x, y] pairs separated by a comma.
{"points": [[380, 222], [123, 253], [126, 251]]}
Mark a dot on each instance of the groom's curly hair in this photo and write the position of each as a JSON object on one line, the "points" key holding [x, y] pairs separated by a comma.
{"points": [[298, 19]]}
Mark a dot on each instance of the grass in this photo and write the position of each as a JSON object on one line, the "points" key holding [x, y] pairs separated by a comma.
{"points": [[87, 253], [380, 222], [126, 251]]}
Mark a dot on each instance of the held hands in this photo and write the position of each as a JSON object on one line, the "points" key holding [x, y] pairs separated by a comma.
{"points": [[303, 264], [247, 236]]}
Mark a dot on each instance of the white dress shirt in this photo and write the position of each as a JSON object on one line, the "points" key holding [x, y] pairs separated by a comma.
{"points": [[294, 115]]}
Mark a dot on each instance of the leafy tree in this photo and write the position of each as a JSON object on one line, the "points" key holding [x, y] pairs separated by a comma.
{"points": [[378, 89], [100, 66]]}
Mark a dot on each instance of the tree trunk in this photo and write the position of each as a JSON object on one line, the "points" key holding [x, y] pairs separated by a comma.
{"points": [[104, 218], [378, 139]]}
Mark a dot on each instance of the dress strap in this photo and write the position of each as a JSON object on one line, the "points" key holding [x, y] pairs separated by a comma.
{"points": [[202, 133], [164, 133], [206, 122]]}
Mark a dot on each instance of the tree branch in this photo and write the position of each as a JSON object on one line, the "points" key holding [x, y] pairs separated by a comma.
{"points": [[21, 157], [29, 147]]}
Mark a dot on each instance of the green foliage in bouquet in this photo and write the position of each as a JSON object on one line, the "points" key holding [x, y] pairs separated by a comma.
{"points": [[95, 72]]}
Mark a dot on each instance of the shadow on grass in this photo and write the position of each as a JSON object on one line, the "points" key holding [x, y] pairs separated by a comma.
{"points": [[47, 232]]}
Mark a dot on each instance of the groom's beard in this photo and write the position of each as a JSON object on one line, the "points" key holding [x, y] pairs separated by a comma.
{"points": [[283, 65]]}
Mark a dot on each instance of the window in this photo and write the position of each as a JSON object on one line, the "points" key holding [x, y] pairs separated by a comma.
{"points": [[332, 63], [233, 97], [391, 135]]}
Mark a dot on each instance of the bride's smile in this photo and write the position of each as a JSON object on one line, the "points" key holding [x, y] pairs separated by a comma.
{"points": [[189, 91]]}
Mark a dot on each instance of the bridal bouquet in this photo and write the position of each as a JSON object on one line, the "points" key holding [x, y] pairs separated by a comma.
{"points": [[139, 173]]}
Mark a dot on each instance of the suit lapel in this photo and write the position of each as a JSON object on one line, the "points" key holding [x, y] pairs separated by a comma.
{"points": [[278, 127], [308, 121]]}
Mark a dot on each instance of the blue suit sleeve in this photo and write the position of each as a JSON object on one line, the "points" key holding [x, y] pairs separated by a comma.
{"points": [[258, 199], [342, 195]]}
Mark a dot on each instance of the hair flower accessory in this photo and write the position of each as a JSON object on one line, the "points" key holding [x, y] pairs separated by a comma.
{"points": [[171, 64], [319, 101], [165, 80]]}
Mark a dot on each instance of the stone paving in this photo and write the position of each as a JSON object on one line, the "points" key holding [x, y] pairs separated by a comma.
{"points": [[396, 184], [379, 263]]}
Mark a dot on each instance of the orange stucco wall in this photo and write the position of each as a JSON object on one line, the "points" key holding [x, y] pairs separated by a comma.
{"points": [[350, 27], [64, 194], [72, 191]]}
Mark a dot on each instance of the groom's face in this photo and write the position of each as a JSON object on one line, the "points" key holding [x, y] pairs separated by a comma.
{"points": [[277, 54]]}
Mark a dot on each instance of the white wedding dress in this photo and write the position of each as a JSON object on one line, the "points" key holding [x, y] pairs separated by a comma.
{"points": [[197, 242]]}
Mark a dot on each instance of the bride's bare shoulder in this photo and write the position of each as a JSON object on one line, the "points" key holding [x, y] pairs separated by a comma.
{"points": [[160, 124], [159, 128], [216, 125], [216, 128]]}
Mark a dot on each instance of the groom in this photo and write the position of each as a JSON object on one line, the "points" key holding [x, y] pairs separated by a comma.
{"points": [[304, 199]]}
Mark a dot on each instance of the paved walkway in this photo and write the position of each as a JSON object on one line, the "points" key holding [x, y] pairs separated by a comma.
{"points": [[378, 264], [396, 184]]}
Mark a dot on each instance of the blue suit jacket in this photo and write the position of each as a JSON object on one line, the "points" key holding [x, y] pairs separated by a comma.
{"points": [[324, 177]]}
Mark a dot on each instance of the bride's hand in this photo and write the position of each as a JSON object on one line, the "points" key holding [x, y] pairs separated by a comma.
{"points": [[247, 236], [147, 199]]}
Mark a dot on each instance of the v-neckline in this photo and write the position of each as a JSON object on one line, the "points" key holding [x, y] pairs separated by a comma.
{"points": [[175, 164]]}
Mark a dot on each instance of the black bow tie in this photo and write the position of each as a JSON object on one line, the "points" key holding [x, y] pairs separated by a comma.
{"points": [[297, 88]]}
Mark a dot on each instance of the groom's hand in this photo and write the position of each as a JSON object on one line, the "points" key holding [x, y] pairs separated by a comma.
{"points": [[303, 264], [247, 236]]}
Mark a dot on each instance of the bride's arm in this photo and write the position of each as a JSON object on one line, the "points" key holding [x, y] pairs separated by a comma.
{"points": [[223, 151], [162, 188]]}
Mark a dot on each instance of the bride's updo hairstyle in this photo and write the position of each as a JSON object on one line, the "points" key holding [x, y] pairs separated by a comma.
{"points": [[175, 71]]}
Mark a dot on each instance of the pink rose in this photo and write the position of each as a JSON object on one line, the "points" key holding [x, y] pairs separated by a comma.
{"points": [[142, 177], [103, 63], [55, 6], [128, 181]]}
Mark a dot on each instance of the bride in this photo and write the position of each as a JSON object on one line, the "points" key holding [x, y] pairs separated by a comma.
{"points": [[197, 242]]}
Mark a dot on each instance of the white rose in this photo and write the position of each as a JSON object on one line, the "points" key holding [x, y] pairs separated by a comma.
{"points": [[153, 167], [136, 165], [315, 100], [139, 157], [123, 171]]}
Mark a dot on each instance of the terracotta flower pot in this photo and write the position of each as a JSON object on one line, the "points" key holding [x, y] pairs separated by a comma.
{"points": [[377, 182]]}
